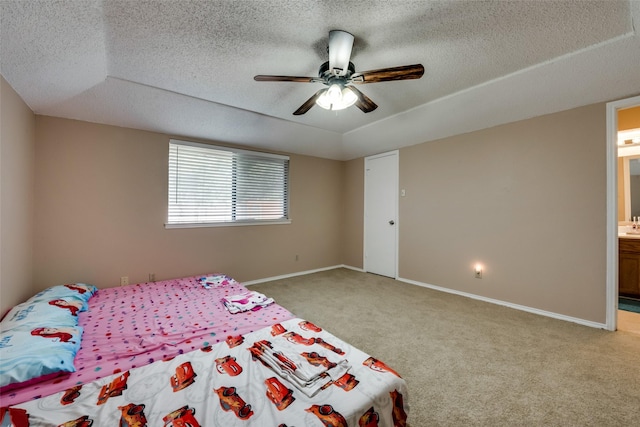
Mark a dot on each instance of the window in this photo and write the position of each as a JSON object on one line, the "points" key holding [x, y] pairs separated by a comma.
{"points": [[211, 186]]}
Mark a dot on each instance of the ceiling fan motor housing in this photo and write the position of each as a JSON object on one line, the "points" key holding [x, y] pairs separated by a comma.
{"points": [[332, 76]]}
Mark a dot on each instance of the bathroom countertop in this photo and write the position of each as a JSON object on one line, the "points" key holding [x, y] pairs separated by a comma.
{"points": [[623, 229], [628, 236]]}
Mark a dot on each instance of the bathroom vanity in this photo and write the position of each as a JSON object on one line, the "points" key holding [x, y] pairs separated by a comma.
{"points": [[629, 266]]}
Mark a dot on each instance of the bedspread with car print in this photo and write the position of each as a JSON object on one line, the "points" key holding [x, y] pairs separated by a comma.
{"points": [[228, 384]]}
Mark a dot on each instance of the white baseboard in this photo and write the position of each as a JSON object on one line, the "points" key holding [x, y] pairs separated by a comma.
{"points": [[361, 270], [447, 290], [508, 304], [299, 273]]}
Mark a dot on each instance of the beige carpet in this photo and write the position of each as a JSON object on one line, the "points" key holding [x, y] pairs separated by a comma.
{"points": [[469, 362]]}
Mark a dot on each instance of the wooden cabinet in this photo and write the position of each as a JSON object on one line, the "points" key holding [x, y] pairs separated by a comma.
{"points": [[629, 267]]}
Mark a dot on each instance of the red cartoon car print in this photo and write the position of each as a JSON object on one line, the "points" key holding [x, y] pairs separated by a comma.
{"points": [[288, 363], [230, 401], [70, 395], [279, 395], [308, 326], [184, 377], [228, 365], [81, 289], [13, 417], [369, 419], [298, 339], [398, 414], [328, 416], [182, 417], [132, 416], [115, 388], [257, 351], [258, 348], [277, 329], [316, 360], [379, 366], [328, 346], [234, 341], [346, 382], [83, 421]]}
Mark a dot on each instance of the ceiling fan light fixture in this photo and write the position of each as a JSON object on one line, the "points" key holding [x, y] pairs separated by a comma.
{"points": [[336, 97], [339, 72]]}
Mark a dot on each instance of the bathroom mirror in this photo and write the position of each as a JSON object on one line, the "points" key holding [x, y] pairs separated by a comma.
{"points": [[629, 165], [629, 187], [634, 187]]}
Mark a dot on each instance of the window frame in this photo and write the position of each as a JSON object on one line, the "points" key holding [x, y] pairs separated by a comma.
{"points": [[231, 223]]}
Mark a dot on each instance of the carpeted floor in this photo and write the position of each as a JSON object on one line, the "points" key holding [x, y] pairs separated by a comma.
{"points": [[471, 363], [629, 304]]}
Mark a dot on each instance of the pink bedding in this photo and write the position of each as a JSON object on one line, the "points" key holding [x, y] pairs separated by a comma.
{"points": [[132, 326]]}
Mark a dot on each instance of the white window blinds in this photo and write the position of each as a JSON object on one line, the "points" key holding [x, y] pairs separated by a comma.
{"points": [[211, 185]]}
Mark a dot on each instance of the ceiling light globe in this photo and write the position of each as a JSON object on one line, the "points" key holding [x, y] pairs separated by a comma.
{"points": [[334, 94], [348, 97], [336, 97]]}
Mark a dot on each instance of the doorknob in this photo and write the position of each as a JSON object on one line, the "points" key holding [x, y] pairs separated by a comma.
{"points": [[391, 222]]}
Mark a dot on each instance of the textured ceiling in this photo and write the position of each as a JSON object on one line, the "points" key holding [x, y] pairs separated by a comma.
{"points": [[186, 67]]}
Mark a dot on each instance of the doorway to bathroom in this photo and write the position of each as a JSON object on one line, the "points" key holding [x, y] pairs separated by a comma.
{"points": [[618, 209]]}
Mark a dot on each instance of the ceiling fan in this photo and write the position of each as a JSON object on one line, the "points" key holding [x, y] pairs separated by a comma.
{"points": [[339, 75]]}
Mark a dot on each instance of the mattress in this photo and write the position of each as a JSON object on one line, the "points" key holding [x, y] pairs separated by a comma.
{"points": [[232, 384], [131, 326]]}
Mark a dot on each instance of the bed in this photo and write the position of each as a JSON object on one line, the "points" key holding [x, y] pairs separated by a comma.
{"points": [[173, 353]]}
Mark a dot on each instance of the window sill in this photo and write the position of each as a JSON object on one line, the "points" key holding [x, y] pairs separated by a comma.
{"points": [[227, 224]]}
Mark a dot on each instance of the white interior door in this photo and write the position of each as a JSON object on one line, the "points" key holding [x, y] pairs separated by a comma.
{"points": [[380, 214]]}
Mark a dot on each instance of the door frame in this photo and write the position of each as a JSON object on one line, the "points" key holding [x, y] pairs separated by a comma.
{"points": [[396, 154], [612, 208]]}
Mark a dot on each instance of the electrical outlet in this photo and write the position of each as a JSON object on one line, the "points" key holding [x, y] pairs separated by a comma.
{"points": [[477, 269], [124, 280], [152, 277], [297, 257]]}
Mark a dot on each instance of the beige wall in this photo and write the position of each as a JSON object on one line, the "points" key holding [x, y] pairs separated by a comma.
{"points": [[353, 215], [101, 205], [526, 199], [621, 190], [17, 145], [629, 118]]}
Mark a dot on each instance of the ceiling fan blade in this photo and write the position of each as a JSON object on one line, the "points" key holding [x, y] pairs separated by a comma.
{"points": [[404, 72], [308, 103], [340, 45], [364, 102], [263, 78]]}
